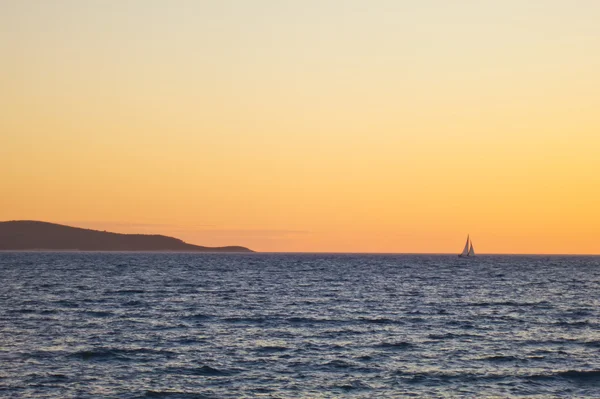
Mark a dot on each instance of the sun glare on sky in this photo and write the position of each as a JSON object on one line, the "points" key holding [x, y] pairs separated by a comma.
{"points": [[332, 125]]}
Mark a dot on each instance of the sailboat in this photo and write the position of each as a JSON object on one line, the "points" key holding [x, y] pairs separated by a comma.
{"points": [[468, 250]]}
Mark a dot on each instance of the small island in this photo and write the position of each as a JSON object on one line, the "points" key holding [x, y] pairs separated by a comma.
{"points": [[29, 235]]}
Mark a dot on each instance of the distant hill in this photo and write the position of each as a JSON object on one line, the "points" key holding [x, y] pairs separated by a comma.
{"points": [[33, 235]]}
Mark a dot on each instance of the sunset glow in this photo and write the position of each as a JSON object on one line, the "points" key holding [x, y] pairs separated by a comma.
{"points": [[337, 126]]}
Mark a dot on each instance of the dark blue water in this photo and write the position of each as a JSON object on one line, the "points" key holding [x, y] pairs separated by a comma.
{"points": [[91, 325]]}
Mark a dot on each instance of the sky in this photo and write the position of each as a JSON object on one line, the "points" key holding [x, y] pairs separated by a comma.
{"points": [[307, 126]]}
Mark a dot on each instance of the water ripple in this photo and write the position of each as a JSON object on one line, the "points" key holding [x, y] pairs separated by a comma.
{"points": [[136, 325]]}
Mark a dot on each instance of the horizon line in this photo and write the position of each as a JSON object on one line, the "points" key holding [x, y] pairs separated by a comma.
{"points": [[298, 252], [274, 252]]}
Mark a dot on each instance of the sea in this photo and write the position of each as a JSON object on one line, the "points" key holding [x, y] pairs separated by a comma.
{"points": [[182, 325]]}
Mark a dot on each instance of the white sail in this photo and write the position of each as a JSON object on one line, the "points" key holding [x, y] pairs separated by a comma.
{"points": [[471, 251], [465, 251]]}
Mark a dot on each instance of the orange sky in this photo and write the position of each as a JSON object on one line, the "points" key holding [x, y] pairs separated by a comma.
{"points": [[342, 126]]}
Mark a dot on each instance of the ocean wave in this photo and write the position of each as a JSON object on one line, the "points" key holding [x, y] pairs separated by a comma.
{"points": [[251, 320], [507, 303], [49, 311], [125, 291], [304, 320], [500, 358], [582, 375], [98, 313], [570, 324], [22, 311], [355, 385], [578, 376], [592, 344], [202, 370], [105, 354], [396, 345], [174, 395], [49, 378], [338, 364], [449, 335], [382, 320], [272, 349], [67, 303], [132, 303], [441, 377], [197, 317]]}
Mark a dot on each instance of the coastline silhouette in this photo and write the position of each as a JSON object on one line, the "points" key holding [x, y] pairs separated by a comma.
{"points": [[35, 235]]}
